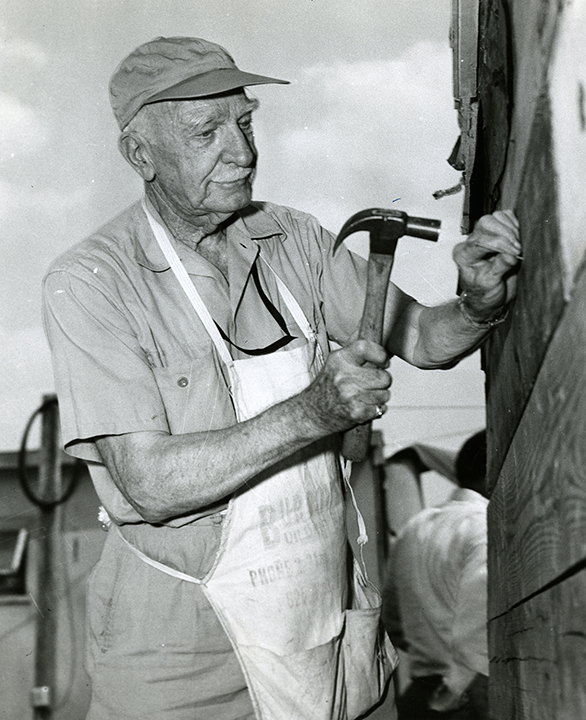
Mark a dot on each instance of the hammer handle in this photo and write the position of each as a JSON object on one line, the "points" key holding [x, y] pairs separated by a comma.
{"points": [[357, 440]]}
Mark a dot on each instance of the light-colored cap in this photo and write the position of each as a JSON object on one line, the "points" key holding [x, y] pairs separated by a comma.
{"points": [[175, 68]]}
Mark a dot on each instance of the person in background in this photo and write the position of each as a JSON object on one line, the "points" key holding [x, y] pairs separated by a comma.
{"points": [[192, 349], [435, 599]]}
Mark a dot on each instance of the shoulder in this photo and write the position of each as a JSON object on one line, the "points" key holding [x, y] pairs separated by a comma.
{"points": [[453, 519], [285, 215], [295, 225], [115, 238], [464, 511]]}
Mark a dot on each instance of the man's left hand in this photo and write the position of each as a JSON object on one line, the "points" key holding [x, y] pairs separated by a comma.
{"points": [[486, 263]]}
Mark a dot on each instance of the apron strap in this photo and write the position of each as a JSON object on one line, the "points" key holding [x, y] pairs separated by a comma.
{"points": [[362, 538]]}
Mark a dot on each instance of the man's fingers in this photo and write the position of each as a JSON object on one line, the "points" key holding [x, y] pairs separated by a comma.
{"points": [[352, 387], [485, 261], [493, 235], [501, 225], [368, 405], [488, 251], [495, 220], [363, 385], [362, 352], [507, 217], [502, 263]]}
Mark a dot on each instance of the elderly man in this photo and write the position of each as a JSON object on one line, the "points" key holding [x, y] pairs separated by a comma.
{"points": [[191, 340]]}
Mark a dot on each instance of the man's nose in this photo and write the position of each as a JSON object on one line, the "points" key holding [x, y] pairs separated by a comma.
{"points": [[240, 148]]}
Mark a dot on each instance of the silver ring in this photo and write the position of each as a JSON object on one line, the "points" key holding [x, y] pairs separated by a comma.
{"points": [[379, 411]]}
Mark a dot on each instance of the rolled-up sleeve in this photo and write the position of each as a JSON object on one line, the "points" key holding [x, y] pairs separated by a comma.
{"points": [[102, 376]]}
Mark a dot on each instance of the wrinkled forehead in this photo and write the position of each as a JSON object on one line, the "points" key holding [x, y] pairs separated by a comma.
{"points": [[234, 103], [217, 106]]}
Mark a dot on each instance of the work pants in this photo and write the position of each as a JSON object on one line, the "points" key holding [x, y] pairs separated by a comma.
{"points": [[155, 647]]}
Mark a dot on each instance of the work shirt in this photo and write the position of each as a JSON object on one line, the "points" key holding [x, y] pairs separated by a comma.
{"points": [[438, 573], [131, 355]]}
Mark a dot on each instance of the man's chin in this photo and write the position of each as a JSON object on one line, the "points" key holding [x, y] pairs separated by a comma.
{"points": [[230, 202]]}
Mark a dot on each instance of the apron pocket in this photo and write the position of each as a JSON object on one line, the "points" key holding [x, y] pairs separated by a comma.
{"points": [[369, 657], [297, 686]]}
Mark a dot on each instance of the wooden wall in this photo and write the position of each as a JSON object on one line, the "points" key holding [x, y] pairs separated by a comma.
{"points": [[531, 154]]}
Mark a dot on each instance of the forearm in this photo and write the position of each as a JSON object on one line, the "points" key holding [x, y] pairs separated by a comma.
{"points": [[436, 337], [165, 475], [446, 335]]}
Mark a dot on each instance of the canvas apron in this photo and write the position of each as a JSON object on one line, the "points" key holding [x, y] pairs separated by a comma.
{"points": [[279, 582]]}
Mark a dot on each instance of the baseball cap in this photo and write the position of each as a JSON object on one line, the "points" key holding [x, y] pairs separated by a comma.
{"points": [[175, 68]]}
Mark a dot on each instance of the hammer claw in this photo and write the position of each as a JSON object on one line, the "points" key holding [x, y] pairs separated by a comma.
{"points": [[388, 224]]}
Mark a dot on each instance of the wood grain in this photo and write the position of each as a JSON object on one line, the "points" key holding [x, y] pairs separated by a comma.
{"points": [[515, 352], [537, 513], [538, 669]]}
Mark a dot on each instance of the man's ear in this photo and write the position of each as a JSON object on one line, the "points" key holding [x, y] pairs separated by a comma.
{"points": [[137, 155]]}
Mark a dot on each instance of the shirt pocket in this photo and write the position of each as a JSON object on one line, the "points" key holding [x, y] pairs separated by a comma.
{"points": [[195, 395]]}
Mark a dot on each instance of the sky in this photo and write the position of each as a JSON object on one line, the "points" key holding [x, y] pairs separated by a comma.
{"points": [[367, 121]]}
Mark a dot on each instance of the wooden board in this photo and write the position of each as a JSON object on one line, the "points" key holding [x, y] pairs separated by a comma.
{"points": [[533, 26], [496, 99], [538, 656], [515, 352], [464, 41], [537, 513], [567, 83], [515, 169]]}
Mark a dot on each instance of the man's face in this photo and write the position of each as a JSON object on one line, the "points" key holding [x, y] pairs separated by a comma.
{"points": [[204, 155]]}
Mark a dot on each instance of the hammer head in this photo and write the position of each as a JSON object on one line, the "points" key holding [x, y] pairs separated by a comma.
{"points": [[386, 227]]}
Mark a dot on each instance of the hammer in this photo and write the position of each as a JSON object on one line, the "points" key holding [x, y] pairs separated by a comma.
{"points": [[385, 228]]}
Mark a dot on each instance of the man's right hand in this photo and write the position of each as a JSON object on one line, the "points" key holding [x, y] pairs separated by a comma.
{"points": [[351, 388]]}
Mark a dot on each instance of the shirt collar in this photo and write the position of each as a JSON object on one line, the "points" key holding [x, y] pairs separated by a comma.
{"points": [[252, 224], [258, 224]]}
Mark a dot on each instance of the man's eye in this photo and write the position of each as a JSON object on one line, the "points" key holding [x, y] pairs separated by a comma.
{"points": [[203, 132], [245, 124]]}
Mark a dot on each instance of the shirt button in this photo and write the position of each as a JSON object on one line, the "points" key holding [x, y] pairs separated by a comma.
{"points": [[183, 382]]}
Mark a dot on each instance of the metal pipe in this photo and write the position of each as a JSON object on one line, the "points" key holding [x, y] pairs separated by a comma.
{"points": [[47, 591]]}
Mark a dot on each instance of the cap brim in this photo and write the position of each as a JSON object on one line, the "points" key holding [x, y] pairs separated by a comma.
{"points": [[213, 82]]}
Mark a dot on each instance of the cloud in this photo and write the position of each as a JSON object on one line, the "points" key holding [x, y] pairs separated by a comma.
{"points": [[49, 202], [22, 129], [353, 135], [19, 51], [422, 64], [36, 228], [368, 129], [379, 115]]}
